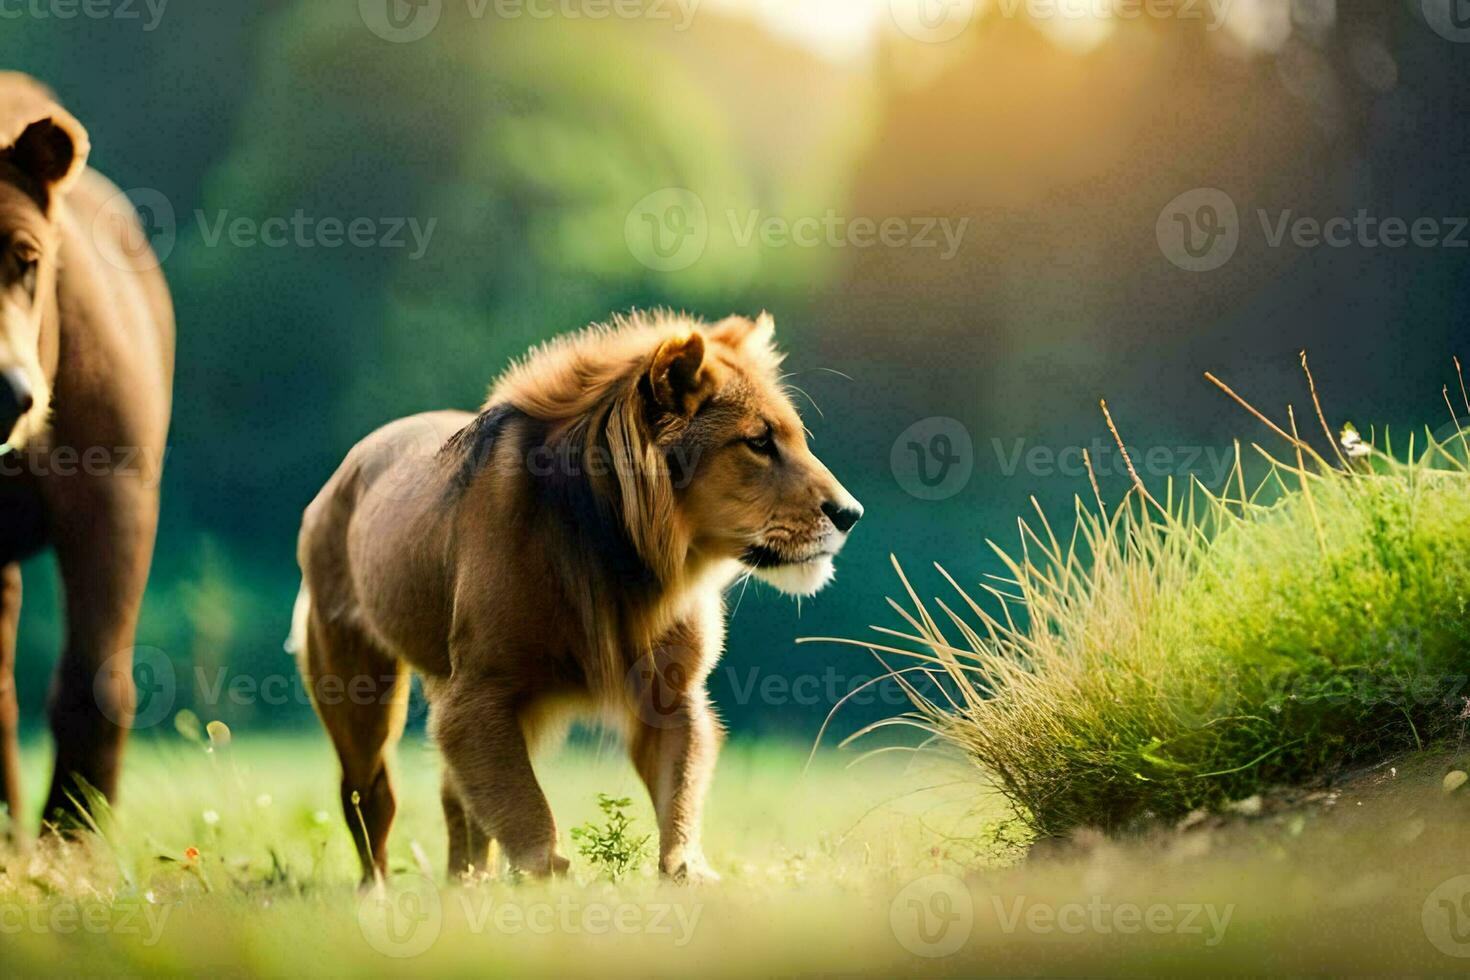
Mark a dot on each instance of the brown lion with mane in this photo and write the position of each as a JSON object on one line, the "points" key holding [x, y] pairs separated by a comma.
{"points": [[565, 551]]}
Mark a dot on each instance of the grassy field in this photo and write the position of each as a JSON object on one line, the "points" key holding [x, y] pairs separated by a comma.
{"points": [[1260, 697], [899, 865]]}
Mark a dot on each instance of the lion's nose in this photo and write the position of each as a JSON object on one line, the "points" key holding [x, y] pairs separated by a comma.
{"points": [[15, 399], [843, 516]]}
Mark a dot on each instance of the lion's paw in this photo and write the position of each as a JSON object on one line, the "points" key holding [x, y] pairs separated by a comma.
{"points": [[692, 871]]}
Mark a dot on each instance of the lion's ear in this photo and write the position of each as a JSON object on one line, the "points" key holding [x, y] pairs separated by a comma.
{"points": [[739, 331], [52, 150], [675, 374]]}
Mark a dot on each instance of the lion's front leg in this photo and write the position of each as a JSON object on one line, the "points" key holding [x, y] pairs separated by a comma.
{"points": [[675, 751], [104, 541], [485, 753]]}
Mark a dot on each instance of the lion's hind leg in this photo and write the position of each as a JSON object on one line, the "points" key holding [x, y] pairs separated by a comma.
{"points": [[361, 695]]}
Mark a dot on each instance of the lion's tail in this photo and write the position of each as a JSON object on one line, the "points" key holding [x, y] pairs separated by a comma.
{"points": [[296, 640]]}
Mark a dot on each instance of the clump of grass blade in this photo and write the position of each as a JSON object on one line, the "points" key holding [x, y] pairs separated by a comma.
{"points": [[1179, 653]]}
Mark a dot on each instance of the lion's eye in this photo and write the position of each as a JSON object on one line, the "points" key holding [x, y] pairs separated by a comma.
{"points": [[27, 262], [763, 445], [28, 276]]}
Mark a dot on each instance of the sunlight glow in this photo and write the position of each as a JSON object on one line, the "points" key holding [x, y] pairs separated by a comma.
{"points": [[1262, 25], [1078, 27], [847, 30], [839, 30]]}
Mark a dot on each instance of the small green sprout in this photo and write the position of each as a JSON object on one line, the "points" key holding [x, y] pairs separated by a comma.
{"points": [[612, 848]]}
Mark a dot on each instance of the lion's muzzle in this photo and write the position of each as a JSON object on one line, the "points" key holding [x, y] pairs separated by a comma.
{"points": [[16, 399], [843, 514]]}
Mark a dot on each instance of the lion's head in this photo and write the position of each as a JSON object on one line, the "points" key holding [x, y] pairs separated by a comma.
{"points": [[704, 457], [43, 150], [755, 492]]}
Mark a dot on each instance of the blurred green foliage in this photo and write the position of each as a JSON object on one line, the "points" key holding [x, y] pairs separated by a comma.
{"points": [[526, 144]]}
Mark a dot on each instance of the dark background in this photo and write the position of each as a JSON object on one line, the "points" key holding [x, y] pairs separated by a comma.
{"points": [[530, 140]]}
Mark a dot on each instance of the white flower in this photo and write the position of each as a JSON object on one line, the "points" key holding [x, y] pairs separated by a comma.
{"points": [[1353, 444], [211, 817]]}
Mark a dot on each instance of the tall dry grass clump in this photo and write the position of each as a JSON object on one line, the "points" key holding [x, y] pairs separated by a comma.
{"points": [[1181, 651]]}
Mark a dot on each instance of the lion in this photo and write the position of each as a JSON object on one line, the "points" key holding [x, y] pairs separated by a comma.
{"points": [[563, 552], [86, 381]]}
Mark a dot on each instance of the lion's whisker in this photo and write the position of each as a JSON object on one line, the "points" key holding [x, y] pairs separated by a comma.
{"points": [[802, 392], [744, 584]]}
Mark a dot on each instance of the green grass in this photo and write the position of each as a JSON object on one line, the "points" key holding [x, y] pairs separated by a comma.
{"points": [[825, 872], [1171, 655], [273, 888], [1179, 654]]}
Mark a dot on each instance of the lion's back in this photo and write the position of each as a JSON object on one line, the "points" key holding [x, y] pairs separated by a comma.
{"points": [[392, 466]]}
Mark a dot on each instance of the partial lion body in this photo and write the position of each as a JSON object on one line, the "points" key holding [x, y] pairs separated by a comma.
{"points": [[532, 562], [81, 465], [388, 560]]}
